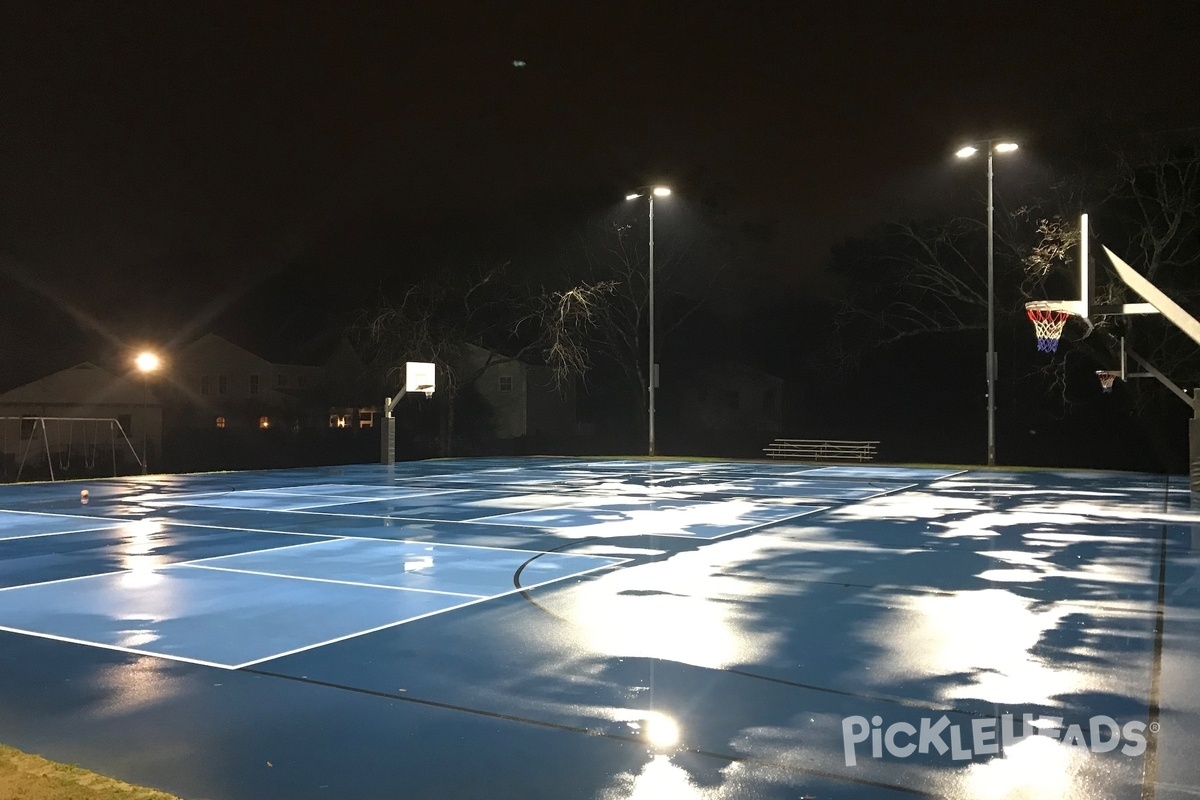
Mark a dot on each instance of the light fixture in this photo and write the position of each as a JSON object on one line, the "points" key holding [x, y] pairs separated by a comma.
{"points": [[146, 361]]}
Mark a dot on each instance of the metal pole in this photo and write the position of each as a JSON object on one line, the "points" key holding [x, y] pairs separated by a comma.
{"points": [[991, 344], [653, 371], [145, 418]]}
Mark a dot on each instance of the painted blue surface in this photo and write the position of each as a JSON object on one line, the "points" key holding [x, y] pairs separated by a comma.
{"points": [[127, 546], [905, 593], [209, 616], [470, 571], [16, 525]]}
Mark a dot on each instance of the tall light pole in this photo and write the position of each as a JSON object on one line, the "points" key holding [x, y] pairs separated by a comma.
{"points": [[993, 146], [147, 362], [653, 192]]}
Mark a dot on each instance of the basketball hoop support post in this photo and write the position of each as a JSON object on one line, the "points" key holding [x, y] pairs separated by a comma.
{"points": [[419, 376]]}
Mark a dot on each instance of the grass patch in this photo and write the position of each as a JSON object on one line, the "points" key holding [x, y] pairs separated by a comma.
{"points": [[28, 777]]}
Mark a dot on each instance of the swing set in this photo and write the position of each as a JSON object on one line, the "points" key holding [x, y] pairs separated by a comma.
{"points": [[76, 444]]}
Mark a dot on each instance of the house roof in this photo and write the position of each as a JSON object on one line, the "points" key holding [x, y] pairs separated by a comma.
{"points": [[82, 384]]}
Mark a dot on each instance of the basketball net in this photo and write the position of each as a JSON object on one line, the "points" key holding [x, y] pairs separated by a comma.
{"points": [[1048, 324], [1106, 380]]}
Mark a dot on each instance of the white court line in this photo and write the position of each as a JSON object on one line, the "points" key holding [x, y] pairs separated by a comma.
{"points": [[695, 537], [201, 662], [483, 599], [296, 491], [50, 514], [318, 504], [116, 647], [249, 552], [332, 536], [61, 533], [326, 580], [64, 580]]}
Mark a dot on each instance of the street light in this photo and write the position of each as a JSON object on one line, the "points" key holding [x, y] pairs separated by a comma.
{"points": [[146, 362], [993, 146], [653, 192]]}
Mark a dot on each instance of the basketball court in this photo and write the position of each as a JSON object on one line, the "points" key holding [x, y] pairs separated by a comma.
{"points": [[607, 629]]}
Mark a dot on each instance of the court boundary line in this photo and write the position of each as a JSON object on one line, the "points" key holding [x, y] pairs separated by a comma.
{"points": [[473, 601], [113, 647], [549, 527], [264, 574], [613, 562], [57, 533]]}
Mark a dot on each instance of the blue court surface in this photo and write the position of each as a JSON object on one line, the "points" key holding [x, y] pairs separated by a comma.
{"points": [[608, 629]]}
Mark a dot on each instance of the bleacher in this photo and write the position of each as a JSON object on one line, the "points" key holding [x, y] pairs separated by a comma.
{"points": [[822, 449]]}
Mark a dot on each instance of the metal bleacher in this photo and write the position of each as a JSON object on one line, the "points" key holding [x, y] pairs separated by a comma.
{"points": [[822, 449]]}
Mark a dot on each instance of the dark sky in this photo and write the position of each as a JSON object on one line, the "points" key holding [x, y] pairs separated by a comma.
{"points": [[167, 154]]}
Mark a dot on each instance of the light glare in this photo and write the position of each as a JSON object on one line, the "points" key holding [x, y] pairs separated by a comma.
{"points": [[1006, 147], [633, 196], [661, 191], [966, 152], [662, 731], [147, 362]]}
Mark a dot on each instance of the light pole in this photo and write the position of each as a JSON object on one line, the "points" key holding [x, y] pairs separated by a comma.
{"points": [[657, 191], [993, 146], [147, 362]]}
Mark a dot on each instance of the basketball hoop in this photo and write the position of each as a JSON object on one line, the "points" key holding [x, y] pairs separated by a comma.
{"points": [[1048, 323], [1106, 380]]}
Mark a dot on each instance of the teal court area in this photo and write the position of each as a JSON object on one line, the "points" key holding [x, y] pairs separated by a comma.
{"points": [[608, 629]]}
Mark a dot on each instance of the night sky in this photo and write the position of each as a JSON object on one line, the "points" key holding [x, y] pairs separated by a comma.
{"points": [[162, 159]]}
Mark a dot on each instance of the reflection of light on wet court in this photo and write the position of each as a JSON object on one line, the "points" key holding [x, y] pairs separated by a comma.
{"points": [[658, 779], [707, 617], [1035, 768], [988, 635], [690, 608]]}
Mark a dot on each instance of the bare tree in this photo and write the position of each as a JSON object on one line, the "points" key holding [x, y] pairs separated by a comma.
{"points": [[613, 252], [1146, 208], [435, 320]]}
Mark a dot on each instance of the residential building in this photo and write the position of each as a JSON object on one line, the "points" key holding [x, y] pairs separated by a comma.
{"points": [[522, 397], [66, 415]]}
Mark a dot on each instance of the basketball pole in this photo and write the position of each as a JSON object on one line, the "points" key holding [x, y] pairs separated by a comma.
{"points": [[991, 345]]}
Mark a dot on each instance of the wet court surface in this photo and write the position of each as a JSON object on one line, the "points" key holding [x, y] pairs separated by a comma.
{"points": [[572, 628]]}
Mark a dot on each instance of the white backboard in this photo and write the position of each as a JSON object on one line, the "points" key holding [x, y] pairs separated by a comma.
{"points": [[419, 376]]}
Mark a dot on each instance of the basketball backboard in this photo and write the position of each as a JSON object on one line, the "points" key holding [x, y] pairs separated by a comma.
{"points": [[420, 376], [1085, 306]]}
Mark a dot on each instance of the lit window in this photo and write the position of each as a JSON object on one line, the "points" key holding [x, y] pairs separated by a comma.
{"points": [[506, 383], [253, 384], [204, 384], [220, 422], [366, 418], [222, 384], [264, 422], [337, 421]]}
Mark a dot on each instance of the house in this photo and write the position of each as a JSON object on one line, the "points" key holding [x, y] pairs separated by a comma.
{"points": [[728, 397], [66, 415], [522, 397], [221, 385]]}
